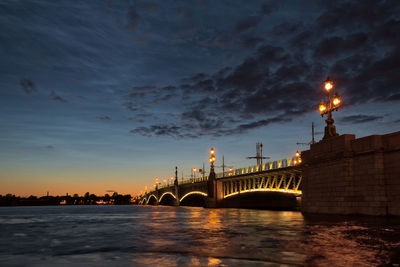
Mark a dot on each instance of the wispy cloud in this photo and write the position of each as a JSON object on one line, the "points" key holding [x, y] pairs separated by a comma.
{"points": [[28, 86], [356, 119], [104, 118], [57, 98]]}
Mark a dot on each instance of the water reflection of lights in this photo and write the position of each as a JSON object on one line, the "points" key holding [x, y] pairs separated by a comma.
{"points": [[213, 219], [214, 262]]}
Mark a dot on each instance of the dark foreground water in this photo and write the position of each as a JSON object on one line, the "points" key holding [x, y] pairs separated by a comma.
{"points": [[179, 236]]}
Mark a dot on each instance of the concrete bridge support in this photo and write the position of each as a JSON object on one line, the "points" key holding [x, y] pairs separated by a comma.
{"points": [[345, 175]]}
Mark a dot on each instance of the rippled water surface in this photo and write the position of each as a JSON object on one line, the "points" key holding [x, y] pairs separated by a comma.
{"points": [[185, 236]]}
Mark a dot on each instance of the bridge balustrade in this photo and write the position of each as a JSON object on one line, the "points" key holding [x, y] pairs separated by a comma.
{"points": [[287, 182], [283, 163]]}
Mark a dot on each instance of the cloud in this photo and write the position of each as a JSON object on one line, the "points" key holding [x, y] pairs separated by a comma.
{"points": [[268, 8], [28, 86], [286, 28], [251, 42], [351, 15], [78, 79], [159, 130], [357, 119], [140, 91], [151, 8], [79, 97], [247, 23], [280, 81], [169, 88], [193, 79], [334, 46], [104, 118], [132, 18], [57, 98], [243, 128]]}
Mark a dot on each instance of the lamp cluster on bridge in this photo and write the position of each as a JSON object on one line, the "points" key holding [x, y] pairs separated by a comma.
{"points": [[297, 159], [212, 158], [332, 103]]}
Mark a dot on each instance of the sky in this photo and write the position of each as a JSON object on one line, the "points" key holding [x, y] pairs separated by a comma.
{"points": [[105, 95]]}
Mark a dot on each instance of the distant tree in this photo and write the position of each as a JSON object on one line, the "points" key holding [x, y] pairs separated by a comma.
{"points": [[127, 199], [93, 198], [86, 198]]}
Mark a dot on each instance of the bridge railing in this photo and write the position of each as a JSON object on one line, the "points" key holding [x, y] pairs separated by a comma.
{"points": [[186, 181], [272, 165]]}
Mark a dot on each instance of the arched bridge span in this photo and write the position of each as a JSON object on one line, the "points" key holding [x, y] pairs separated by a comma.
{"points": [[272, 185]]}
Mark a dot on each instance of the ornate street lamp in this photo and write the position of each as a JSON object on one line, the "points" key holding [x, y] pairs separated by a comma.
{"points": [[326, 107], [211, 177], [212, 159], [298, 158]]}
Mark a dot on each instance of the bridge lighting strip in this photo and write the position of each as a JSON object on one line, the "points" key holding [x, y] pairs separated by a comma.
{"points": [[264, 190], [194, 192], [165, 194]]}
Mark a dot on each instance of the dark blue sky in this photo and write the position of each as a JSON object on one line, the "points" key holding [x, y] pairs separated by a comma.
{"points": [[109, 94]]}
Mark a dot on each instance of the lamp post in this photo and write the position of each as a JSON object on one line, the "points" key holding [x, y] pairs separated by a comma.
{"points": [[298, 158], [326, 107], [211, 177], [156, 183], [212, 159]]}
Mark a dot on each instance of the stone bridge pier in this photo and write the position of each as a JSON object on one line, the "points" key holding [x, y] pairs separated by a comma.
{"points": [[345, 175]]}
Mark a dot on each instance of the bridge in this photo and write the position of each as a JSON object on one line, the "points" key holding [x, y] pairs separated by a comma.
{"points": [[273, 185]]}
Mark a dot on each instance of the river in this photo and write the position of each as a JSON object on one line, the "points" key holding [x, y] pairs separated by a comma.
{"points": [[190, 236]]}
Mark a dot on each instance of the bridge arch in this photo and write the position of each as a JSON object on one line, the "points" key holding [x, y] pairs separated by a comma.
{"points": [[167, 198], [284, 191], [142, 201], [151, 200], [194, 198], [262, 199]]}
